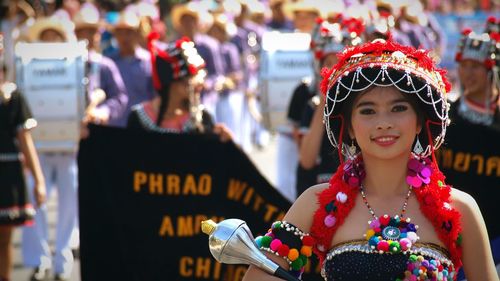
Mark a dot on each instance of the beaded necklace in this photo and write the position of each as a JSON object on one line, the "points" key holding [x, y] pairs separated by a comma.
{"points": [[390, 234]]}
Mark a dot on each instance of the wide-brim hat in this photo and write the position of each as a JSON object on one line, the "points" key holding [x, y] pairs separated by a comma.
{"points": [[127, 20], [180, 10], [61, 26], [87, 17], [387, 64], [302, 6]]}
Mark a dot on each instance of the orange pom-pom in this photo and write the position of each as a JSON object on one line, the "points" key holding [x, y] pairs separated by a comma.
{"points": [[306, 251], [293, 254]]}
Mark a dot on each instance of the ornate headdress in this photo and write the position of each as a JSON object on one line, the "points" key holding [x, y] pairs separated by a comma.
{"points": [[174, 61], [481, 47], [384, 64]]}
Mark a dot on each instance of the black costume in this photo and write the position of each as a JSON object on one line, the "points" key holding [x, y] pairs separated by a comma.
{"points": [[15, 115]]}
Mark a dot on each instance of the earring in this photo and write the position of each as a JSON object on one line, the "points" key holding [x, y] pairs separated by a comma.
{"points": [[352, 149], [418, 149]]}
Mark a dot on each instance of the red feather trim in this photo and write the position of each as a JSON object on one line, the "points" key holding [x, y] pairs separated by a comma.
{"points": [[152, 37]]}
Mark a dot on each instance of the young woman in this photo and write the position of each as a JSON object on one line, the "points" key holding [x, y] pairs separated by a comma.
{"points": [[178, 72], [387, 213], [16, 146]]}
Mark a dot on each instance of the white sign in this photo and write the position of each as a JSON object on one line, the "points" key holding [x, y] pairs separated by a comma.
{"points": [[51, 76], [285, 61]]}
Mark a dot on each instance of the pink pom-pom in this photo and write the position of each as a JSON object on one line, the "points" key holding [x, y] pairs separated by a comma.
{"points": [[275, 244], [330, 221], [383, 246]]}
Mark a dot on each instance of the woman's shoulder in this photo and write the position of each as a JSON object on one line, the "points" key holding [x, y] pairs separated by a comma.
{"points": [[302, 211], [465, 204]]}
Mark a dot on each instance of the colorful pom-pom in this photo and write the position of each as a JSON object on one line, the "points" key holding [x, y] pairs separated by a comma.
{"points": [[383, 246], [275, 244], [258, 241], [266, 241], [369, 234], [293, 254], [330, 221], [306, 251], [297, 264], [307, 241], [384, 220], [341, 197], [283, 250]]}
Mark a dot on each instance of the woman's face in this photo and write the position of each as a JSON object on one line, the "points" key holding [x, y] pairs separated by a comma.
{"points": [[180, 88], [473, 77], [383, 123]]}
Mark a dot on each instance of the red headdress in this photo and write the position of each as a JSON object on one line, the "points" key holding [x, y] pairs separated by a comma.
{"points": [[173, 61]]}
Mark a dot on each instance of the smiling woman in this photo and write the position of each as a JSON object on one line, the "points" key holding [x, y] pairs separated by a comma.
{"points": [[385, 113]]}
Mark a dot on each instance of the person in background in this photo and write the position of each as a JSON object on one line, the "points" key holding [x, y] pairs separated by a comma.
{"points": [[230, 108], [102, 73], [133, 62], [16, 149], [178, 73], [304, 14], [59, 169], [470, 158], [316, 159], [279, 20]]}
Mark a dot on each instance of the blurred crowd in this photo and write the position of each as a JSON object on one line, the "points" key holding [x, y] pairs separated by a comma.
{"points": [[228, 36]]}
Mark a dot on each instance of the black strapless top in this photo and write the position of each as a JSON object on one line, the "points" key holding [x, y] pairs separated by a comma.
{"points": [[354, 261]]}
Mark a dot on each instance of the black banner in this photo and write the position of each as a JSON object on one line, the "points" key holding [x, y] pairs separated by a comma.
{"points": [[470, 160], [143, 197]]}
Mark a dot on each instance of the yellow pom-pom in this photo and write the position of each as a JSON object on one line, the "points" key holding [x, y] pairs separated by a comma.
{"points": [[293, 254], [369, 234], [306, 251], [420, 258]]}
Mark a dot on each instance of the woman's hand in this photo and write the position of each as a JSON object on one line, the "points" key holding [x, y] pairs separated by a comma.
{"points": [[223, 132], [40, 193]]}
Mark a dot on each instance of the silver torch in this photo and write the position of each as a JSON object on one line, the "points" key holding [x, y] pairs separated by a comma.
{"points": [[232, 242]]}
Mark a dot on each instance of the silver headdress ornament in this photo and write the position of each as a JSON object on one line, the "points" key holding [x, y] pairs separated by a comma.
{"points": [[384, 64]]}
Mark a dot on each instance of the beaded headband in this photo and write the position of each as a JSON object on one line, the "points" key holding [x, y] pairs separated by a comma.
{"points": [[385, 63], [483, 47], [178, 60]]}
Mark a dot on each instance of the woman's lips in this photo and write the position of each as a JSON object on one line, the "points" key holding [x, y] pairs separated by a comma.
{"points": [[385, 140]]}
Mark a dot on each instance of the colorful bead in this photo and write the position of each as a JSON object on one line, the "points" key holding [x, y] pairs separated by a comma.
{"points": [[307, 241], [419, 172], [266, 241], [369, 234], [306, 251], [283, 250]]}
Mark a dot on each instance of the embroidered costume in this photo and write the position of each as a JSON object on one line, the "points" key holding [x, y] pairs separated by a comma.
{"points": [[392, 249]]}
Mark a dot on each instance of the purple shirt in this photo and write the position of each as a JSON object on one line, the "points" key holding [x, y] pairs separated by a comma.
{"points": [[108, 78], [208, 48], [136, 74]]}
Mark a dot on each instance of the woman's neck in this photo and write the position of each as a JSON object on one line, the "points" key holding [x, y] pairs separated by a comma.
{"points": [[386, 177], [174, 108]]}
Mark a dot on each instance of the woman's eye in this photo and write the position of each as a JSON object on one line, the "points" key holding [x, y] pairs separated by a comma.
{"points": [[366, 111], [399, 108]]}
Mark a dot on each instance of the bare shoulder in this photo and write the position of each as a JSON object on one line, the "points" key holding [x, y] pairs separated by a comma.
{"points": [[302, 211], [463, 202]]}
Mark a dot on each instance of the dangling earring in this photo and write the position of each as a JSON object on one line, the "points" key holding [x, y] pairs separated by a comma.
{"points": [[352, 149], [418, 149]]}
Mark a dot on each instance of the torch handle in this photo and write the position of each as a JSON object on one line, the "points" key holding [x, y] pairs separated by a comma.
{"points": [[283, 274]]}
